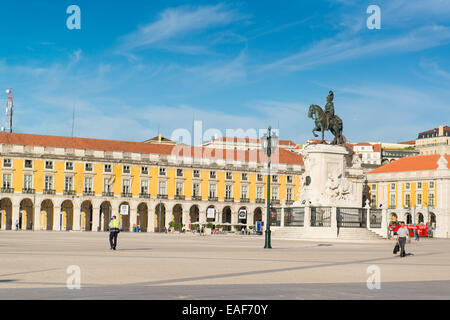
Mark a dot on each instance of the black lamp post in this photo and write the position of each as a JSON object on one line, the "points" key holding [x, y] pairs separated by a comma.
{"points": [[269, 142]]}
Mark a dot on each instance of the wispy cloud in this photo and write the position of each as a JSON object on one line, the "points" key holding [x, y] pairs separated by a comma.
{"points": [[174, 23]]}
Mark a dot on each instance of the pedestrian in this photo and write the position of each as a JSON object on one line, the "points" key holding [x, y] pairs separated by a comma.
{"points": [[416, 234], [203, 231], [113, 232], [402, 234], [17, 225]]}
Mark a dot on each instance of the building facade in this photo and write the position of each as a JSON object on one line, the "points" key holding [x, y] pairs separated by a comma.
{"points": [[414, 190], [59, 183], [434, 141]]}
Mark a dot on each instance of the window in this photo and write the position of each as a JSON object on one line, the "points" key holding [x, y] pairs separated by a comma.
{"points": [[289, 194], [179, 172], [229, 176], [407, 200], [88, 167], [407, 186], [107, 185], [274, 178], [144, 170], [28, 182], [431, 185], [162, 188], [373, 201], [48, 183], [393, 205], [212, 175], [244, 176], [126, 169], [126, 186], [69, 165], [7, 163], [196, 173], [274, 193], [289, 179], [49, 165], [431, 200], [6, 181], [374, 187], [228, 191], [162, 172], [392, 186], [419, 199], [419, 185], [212, 190], [179, 188], [108, 168], [260, 177], [244, 192], [144, 186], [28, 164], [88, 184], [259, 193], [68, 183], [196, 189]]}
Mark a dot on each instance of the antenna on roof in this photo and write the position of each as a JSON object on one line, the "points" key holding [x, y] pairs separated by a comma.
{"points": [[9, 112]]}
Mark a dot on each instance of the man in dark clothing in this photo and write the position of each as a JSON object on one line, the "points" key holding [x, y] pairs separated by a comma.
{"points": [[402, 234]]}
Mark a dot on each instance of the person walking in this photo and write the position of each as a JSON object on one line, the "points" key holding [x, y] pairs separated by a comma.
{"points": [[113, 232], [402, 234]]}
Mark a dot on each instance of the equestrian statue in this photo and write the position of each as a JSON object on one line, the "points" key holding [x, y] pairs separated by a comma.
{"points": [[327, 121]]}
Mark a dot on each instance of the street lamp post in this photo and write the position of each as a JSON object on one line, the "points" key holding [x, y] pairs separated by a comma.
{"points": [[269, 143]]}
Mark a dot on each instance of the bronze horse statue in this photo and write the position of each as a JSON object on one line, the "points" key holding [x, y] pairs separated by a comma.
{"points": [[335, 124]]}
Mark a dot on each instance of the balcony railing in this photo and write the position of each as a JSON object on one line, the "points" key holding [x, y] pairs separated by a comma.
{"points": [[28, 191], [259, 200], [275, 201], [229, 199], [144, 196], [49, 191], [179, 197], [162, 196], [88, 193], [289, 202], [108, 194], [213, 199], [197, 198], [245, 200], [7, 190], [69, 192], [127, 195]]}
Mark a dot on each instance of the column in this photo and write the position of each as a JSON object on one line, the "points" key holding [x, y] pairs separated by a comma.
{"points": [[185, 219], [133, 217], [57, 218], [37, 218], [367, 208], [250, 217], [150, 220], [384, 222], [234, 219], [307, 218], [95, 219], [15, 215], [334, 221], [202, 216], [76, 223], [282, 217]]}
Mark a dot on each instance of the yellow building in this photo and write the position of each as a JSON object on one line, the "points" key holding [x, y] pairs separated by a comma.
{"points": [[61, 183], [414, 190]]}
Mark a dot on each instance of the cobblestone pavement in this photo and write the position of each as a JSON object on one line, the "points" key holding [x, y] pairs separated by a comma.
{"points": [[34, 265]]}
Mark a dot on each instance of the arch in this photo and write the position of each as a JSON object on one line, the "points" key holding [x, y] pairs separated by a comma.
{"points": [[105, 215], [408, 218], [66, 217], [394, 217], [226, 218], [86, 215], [194, 215], [420, 218], [142, 217], [6, 214], [47, 213], [177, 214], [124, 219], [160, 216], [433, 219], [26, 214], [257, 215]]}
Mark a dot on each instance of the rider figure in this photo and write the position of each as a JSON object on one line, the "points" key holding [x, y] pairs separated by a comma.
{"points": [[329, 109]]}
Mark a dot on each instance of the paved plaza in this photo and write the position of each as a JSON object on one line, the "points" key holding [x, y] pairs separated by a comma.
{"points": [[33, 265]]}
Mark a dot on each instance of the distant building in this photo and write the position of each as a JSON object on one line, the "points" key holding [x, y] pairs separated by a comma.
{"points": [[246, 144], [379, 153], [434, 141], [159, 139]]}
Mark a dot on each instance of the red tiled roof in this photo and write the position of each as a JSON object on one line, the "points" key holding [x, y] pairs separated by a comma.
{"points": [[408, 142], [416, 163], [279, 156]]}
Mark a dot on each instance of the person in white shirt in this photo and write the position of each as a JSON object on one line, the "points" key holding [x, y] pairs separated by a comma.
{"points": [[402, 234]]}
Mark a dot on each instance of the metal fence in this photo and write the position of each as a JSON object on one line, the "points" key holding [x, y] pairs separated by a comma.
{"points": [[375, 218], [320, 217], [351, 217], [294, 217]]}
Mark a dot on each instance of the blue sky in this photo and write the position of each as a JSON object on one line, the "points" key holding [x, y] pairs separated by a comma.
{"points": [[137, 66]]}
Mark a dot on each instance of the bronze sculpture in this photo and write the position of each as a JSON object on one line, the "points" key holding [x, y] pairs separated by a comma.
{"points": [[327, 121]]}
